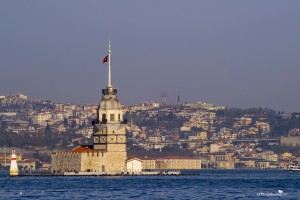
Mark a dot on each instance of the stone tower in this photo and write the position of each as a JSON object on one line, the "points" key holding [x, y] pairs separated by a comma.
{"points": [[109, 134]]}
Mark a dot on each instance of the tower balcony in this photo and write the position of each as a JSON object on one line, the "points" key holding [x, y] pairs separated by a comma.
{"points": [[109, 91], [104, 121]]}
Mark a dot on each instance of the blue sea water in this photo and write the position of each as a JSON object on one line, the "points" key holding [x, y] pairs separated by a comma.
{"points": [[208, 184]]}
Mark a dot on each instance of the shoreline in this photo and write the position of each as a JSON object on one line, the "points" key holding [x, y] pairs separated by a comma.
{"points": [[101, 174]]}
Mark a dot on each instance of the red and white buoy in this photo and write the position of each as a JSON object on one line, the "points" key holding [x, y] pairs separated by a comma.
{"points": [[14, 171]]}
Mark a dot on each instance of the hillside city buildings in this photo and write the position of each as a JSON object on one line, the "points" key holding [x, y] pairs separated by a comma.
{"points": [[201, 131]]}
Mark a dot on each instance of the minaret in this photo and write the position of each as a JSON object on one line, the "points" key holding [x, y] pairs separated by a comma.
{"points": [[13, 164], [109, 128]]}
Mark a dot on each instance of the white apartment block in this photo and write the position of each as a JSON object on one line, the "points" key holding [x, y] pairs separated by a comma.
{"points": [[41, 118]]}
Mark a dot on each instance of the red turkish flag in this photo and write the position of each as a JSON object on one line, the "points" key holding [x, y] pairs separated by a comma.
{"points": [[105, 59]]}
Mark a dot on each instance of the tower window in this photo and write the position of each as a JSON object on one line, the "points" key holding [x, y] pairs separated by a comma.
{"points": [[119, 117], [112, 117], [103, 116]]}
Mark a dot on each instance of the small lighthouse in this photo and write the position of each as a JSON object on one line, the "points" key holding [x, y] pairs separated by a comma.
{"points": [[13, 164]]}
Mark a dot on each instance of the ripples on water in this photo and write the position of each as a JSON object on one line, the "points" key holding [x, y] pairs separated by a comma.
{"points": [[209, 184]]}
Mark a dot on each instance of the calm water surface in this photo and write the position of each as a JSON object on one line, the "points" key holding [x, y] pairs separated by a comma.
{"points": [[209, 184]]}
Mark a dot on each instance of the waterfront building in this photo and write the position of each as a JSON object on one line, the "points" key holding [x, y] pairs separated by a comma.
{"points": [[222, 160], [134, 165], [137, 165], [108, 152], [262, 164], [178, 162], [253, 163]]}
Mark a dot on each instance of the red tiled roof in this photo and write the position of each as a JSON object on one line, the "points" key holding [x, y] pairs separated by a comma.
{"points": [[81, 149], [85, 149]]}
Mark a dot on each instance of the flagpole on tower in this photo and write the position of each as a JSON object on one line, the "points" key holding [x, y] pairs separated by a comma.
{"points": [[109, 72]]}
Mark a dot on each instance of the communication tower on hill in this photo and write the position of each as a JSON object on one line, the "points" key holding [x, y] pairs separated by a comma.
{"points": [[163, 98]]}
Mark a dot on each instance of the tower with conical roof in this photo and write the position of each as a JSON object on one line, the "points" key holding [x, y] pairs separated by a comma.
{"points": [[109, 128], [108, 154]]}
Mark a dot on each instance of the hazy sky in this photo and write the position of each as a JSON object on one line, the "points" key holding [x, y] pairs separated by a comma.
{"points": [[232, 53]]}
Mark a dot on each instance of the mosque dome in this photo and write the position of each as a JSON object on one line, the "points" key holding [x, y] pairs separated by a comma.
{"points": [[110, 104]]}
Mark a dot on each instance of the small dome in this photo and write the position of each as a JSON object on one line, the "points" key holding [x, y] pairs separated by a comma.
{"points": [[106, 104]]}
